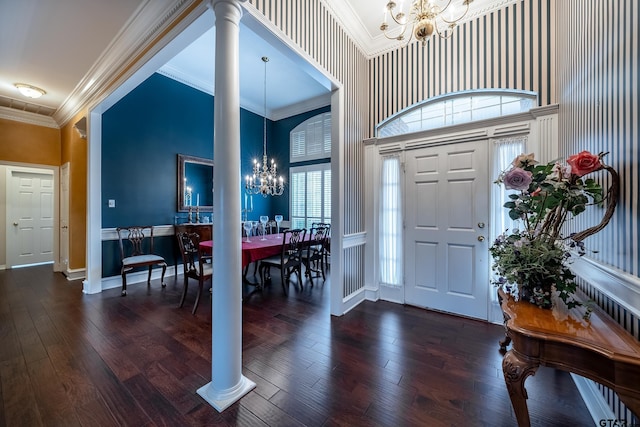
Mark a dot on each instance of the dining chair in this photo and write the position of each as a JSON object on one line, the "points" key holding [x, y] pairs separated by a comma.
{"points": [[289, 261], [314, 254], [136, 250], [196, 264], [327, 240]]}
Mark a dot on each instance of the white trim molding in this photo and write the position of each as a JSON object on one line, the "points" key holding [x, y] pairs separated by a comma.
{"points": [[355, 239], [138, 277], [158, 231], [27, 117], [593, 399], [622, 287], [137, 36], [74, 274]]}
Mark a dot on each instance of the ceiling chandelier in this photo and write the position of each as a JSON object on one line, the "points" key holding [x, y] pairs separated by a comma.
{"points": [[424, 18], [264, 181]]}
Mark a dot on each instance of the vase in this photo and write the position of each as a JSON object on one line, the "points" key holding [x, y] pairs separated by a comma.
{"points": [[538, 294]]}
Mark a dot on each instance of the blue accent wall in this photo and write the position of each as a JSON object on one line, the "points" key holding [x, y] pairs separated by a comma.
{"points": [[142, 135]]}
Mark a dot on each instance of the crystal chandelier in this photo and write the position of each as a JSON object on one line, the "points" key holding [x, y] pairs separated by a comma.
{"points": [[264, 181], [425, 18]]}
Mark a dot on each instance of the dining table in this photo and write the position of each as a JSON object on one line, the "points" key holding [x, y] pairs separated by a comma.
{"points": [[253, 250]]}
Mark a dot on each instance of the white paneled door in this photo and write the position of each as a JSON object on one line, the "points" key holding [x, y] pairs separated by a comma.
{"points": [[447, 209], [64, 217], [30, 218]]}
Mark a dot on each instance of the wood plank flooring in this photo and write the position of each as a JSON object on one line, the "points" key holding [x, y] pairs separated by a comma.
{"points": [[68, 359]]}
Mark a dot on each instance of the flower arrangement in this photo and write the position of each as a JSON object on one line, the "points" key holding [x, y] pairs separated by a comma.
{"points": [[532, 262]]}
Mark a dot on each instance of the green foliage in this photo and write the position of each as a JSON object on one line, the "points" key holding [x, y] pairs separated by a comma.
{"points": [[534, 260]]}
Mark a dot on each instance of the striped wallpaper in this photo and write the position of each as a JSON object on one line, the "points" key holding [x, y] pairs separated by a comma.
{"points": [[598, 84], [582, 54], [598, 74], [511, 48], [313, 29]]}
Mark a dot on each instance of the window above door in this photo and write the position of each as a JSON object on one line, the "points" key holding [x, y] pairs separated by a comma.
{"points": [[456, 108]]}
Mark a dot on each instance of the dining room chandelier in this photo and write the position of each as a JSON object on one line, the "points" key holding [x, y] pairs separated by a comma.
{"points": [[425, 17], [264, 181]]}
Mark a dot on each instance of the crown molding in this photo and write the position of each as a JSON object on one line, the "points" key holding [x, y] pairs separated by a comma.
{"points": [[27, 117], [149, 21], [301, 107], [186, 79], [350, 22]]}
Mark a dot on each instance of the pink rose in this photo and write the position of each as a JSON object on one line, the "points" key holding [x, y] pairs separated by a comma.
{"points": [[517, 179], [536, 192], [524, 160], [584, 163], [560, 172]]}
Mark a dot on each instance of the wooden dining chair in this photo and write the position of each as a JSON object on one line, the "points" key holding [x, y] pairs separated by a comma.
{"points": [[327, 240], [289, 261], [136, 250], [314, 253], [196, 264]]}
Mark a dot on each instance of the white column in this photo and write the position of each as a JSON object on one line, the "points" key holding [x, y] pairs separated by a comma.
{"points": [[227, 382]]}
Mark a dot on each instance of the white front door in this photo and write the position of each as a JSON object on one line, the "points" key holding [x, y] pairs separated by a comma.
{"points": [[30, 216], [64, 217], [447, 209]]}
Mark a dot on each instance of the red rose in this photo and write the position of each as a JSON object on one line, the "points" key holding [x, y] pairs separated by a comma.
{"points": [[584, 163]]}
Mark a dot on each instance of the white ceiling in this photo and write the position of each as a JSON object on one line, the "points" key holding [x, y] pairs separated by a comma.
{"points": [[35, 36]]}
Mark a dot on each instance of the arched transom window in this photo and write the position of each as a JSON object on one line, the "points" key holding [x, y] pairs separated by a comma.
{"points": [[457, 108]]}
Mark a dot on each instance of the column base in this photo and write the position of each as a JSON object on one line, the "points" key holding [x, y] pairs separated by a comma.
{"points": [[221, 400]]}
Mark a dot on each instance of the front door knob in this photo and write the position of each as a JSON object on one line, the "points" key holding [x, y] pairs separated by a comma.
{"points": [[480, 238]]}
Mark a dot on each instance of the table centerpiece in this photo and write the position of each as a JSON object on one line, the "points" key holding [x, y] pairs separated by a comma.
{"points": [[532, 262]]}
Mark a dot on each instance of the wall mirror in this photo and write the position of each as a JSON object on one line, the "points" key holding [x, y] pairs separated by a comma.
{"points": [[195, 183]]}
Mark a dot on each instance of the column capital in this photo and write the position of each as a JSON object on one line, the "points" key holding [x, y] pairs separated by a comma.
{"points": [[229, 9], [212, 3]]}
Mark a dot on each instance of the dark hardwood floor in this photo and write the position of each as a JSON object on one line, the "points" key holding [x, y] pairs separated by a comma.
{"points": [[68, 359]]}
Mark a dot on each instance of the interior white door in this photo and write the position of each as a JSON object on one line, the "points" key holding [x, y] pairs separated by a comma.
{"points": [[64, 217], [447, 209], [30, 210]]}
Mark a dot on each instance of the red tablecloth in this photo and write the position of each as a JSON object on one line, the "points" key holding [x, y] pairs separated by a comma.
{"points": [[255, 249]]}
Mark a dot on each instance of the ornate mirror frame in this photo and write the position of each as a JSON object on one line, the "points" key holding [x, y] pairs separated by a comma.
{"points": [[184, 162]]}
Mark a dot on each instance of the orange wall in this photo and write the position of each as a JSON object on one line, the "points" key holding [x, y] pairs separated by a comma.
{"points": [[26, 143], [74, 151], [40, 145]]}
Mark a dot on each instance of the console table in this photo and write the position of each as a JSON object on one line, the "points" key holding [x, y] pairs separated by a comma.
{"points": [[597, 348]]}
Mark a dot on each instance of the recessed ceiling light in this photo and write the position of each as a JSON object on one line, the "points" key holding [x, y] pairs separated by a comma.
{"points": [[29, 91]]}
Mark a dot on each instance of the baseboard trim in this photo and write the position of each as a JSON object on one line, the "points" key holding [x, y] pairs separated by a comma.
{"points": [[137, 277], [74, 274], [393, 294], [371, 293], [593, 399], [353, 300]]}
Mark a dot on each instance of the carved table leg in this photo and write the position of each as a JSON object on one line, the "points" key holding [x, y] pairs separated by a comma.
{"points": [[505, 342], [516, 372]]}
